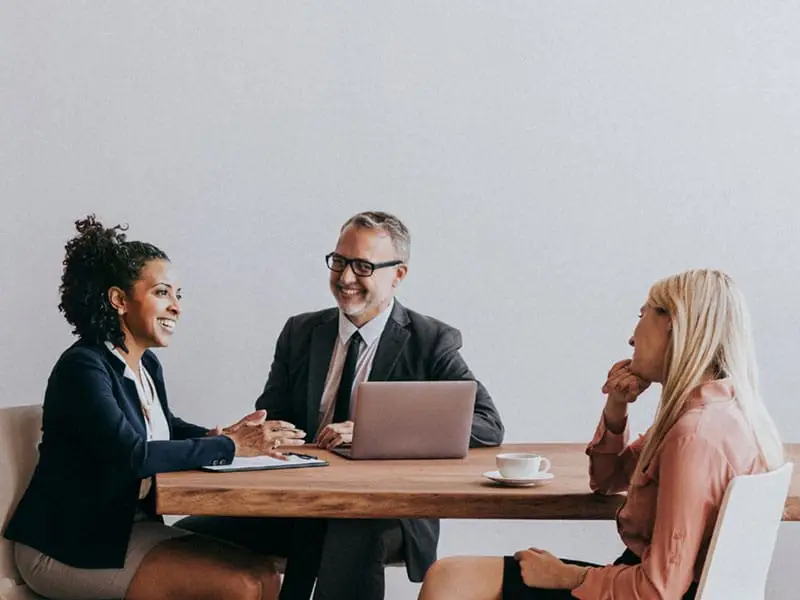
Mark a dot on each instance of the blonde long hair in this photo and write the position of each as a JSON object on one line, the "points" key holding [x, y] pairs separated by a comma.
{"points": [[711, 333]]}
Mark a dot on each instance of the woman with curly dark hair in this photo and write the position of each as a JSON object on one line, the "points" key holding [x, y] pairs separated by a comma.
{"points": [[86, 527]]}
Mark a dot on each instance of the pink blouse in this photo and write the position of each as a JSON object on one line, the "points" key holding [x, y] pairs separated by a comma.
{"points": [[670, 512]]}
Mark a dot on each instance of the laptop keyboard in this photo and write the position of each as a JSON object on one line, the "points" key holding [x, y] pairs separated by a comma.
{"points": [[346, 452]]}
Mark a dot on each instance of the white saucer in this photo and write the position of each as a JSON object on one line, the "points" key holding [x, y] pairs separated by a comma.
{"points": [[537, 479]]}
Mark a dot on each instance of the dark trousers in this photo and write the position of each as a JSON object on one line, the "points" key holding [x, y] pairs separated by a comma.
{"points": [[515, 589], [346, 556]]}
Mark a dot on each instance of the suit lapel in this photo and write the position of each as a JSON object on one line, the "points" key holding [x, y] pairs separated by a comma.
{"points": [[134, 406], [391, 344], [154, 369], [130, 394], [323, 339]]}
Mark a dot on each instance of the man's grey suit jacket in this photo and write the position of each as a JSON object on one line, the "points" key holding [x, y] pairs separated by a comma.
{"points": [[413, 347]]}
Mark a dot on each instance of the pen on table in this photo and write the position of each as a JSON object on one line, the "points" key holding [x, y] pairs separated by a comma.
{"points": [[306, 456]]}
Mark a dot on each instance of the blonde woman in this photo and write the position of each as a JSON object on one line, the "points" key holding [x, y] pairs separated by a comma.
{"points": [[693, 337]]}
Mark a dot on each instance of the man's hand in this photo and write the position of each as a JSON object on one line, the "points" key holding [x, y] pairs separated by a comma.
{"points": [[540, 569], [335, 434]]}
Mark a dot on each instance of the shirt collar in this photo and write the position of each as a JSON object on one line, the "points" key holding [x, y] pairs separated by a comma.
{"points": [[128, 372], [718, 390], [370, 331]]}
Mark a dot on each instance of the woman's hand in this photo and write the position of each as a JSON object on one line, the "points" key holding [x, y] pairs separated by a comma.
{"points": [[623, 388], [540, 569], [262, 440], [254, 418], [253, 435], [284, 432], [253, 441]]}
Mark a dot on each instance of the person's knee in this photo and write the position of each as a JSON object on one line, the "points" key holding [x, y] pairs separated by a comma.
{"points": [[464, 578], [245, 584], [437, 584], [270, 584], [442, 570], [446, 571]]}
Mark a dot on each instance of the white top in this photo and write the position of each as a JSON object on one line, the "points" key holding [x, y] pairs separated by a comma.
{"points": [[154, 419], [371, 334]]}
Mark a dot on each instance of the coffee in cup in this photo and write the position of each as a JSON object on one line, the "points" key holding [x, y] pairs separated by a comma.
{"points": [[521, 465]]}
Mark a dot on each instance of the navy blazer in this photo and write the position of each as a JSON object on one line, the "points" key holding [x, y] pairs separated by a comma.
{"points": [[80, 504], [412, 347]]}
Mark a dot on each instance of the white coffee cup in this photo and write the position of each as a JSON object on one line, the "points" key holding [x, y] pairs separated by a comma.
{"points": [[521, 465]]}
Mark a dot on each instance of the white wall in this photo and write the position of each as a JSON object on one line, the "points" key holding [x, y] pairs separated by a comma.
{"points": [[551, 160]]}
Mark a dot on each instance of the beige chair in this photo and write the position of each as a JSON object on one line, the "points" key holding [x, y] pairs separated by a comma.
{"points": [[20, 431]]}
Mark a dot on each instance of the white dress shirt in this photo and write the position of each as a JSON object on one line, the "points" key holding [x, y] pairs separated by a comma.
{"points": [[371, 334]]}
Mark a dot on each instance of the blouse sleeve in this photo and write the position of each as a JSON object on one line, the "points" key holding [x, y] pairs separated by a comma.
{"points": [[611, 459], [692, 477]]}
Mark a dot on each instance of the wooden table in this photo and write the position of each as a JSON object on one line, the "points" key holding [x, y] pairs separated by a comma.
{"points": [[409, 488]]}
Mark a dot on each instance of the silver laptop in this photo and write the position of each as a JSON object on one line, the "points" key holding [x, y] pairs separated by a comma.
{"points": [[411, 419]]}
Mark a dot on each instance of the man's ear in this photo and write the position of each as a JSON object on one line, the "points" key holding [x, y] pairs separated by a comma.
{"points": [[399, 274], [116, 296]]}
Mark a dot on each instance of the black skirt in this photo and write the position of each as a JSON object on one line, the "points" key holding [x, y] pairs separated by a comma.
{"points": [[515, 589]]}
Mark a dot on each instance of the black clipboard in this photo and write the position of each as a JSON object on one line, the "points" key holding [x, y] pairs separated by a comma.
{"points": [[266, 463]]}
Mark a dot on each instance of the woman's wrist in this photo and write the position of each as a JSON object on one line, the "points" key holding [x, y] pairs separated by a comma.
{"points": [[615, 416], [232, 438], [575, 576]]}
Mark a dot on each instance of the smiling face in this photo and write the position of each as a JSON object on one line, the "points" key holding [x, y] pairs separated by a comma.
{"points": [[650, 341], [151, 309], [362, 298]]}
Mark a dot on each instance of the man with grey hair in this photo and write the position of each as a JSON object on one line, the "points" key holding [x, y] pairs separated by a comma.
{"points": [[368, 336]]}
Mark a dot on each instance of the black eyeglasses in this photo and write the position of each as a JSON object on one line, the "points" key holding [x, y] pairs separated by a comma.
{"points": [[361, 267]]}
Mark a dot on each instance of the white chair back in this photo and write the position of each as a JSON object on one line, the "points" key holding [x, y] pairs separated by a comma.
{"points": [[20, 432], [744, 537]]}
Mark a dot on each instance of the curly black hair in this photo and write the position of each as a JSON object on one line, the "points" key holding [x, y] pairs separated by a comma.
{"points": [[98, 259]]}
